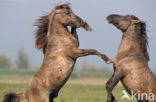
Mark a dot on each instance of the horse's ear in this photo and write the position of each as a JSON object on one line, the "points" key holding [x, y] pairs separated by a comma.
{"points": [[41, 33], [63, 6], [136, 21]]}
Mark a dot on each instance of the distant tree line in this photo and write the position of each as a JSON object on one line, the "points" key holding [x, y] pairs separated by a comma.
{"points": [[22, 60], [4, 62]]}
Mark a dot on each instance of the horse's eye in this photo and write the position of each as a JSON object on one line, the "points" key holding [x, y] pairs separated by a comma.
{"points": [[68, 8], [61, 7]]}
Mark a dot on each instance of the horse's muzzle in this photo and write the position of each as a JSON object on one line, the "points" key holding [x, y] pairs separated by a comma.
{"points": [[87, 27]]}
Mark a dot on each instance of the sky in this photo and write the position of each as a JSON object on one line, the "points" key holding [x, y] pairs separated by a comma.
{"points": [[17, 18]]}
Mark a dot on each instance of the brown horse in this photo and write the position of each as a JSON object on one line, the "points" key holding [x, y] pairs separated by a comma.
{"points": [[131, 61], [60, 47]]}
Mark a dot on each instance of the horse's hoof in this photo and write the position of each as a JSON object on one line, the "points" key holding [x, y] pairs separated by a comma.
{"points": [[112, 101], [115, 101]]}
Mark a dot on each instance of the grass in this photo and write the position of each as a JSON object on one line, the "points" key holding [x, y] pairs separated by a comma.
{"points": [[76, 90]]}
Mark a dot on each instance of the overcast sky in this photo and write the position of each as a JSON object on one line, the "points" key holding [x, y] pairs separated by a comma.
{"points": [[18, 16]]}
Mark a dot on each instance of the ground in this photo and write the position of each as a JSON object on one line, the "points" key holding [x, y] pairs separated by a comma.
{"points": [[76, 90]]}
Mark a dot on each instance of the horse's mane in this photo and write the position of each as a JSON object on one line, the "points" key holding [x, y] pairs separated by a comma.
{"points": [[42, 30], [41, 33], [143, 39]]}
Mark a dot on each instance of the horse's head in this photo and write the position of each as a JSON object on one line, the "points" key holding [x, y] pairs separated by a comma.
{"points": [[64, 15], [132, 27], [122, 22]]}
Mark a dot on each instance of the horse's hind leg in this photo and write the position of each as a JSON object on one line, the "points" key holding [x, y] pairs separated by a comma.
{"points": [[111, 83], [37, 93], [38, 96], [52, 96]]}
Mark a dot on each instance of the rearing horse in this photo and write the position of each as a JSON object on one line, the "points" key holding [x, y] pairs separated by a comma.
{"points": [[131, 61], [60, 47]]}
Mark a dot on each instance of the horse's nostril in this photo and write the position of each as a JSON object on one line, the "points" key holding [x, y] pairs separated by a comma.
{"points": [[109, 19], [112, 18]]}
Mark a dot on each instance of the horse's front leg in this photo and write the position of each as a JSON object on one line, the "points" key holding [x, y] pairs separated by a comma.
{"points": [[111, 83], [85, 52]]}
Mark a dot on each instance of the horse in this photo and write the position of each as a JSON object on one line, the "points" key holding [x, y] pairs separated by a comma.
{"points": [[60, 48], [131, 60]]}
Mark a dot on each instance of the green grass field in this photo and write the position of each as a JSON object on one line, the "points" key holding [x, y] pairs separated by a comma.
{"points": [[75, 90]]}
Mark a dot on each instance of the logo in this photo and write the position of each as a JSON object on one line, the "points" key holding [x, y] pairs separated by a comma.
{"points": [[138, 95], [125, 95]]}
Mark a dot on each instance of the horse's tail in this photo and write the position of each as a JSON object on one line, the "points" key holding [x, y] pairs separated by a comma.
{"points": [[13, 97]]}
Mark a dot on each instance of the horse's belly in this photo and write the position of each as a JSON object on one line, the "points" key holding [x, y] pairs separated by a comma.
{"points": [[65, 68]]}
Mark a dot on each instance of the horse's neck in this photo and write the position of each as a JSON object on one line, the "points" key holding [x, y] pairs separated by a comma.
{"points": [[60, 32], [58, 29], [129, 40], [126, 44], [129, 44]]}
